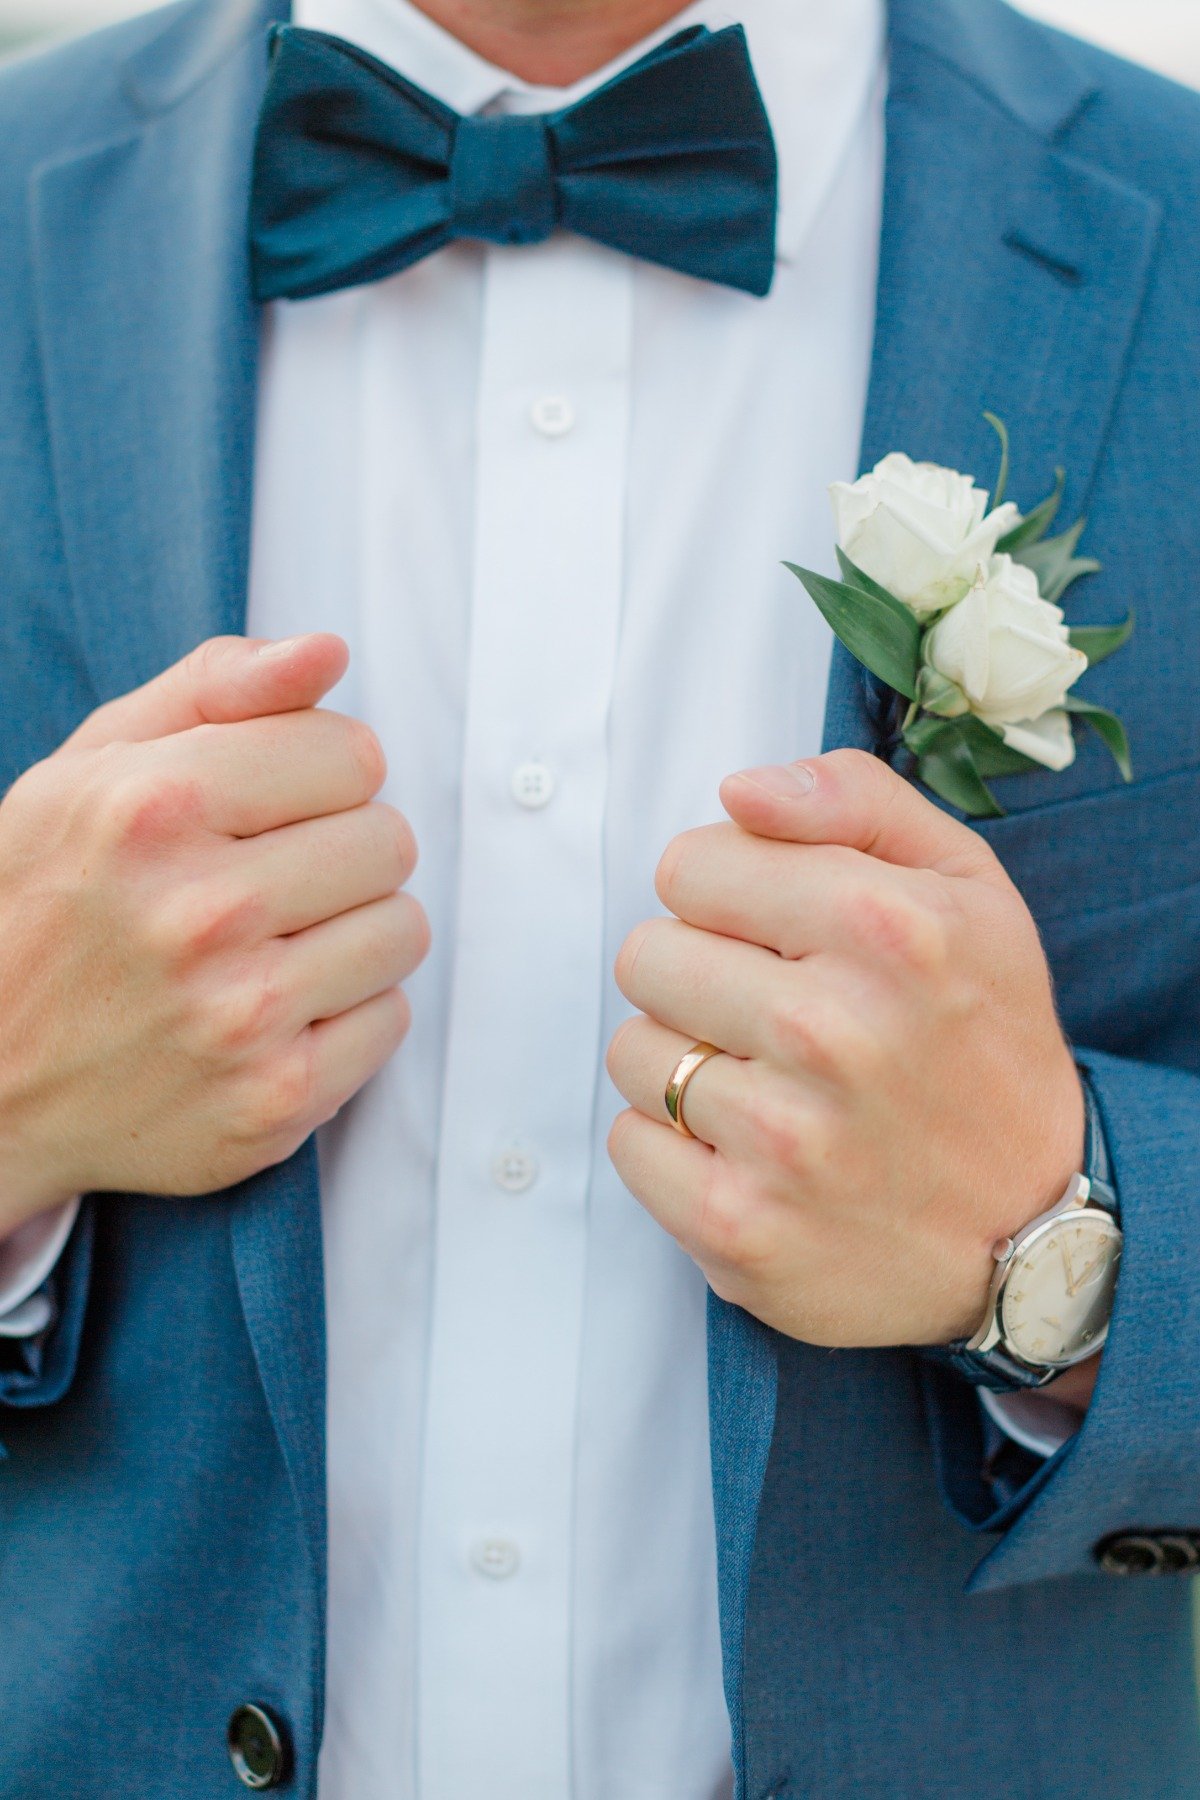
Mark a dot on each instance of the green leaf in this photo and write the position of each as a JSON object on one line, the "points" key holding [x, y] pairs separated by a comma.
{"points": [[948, 753], [1055, 563], [924, 733], [1108, 727], [1036, 524], [1001, 431], [949, 770], [991, 755], [875, 628], [1099, 641], [988, 751]]}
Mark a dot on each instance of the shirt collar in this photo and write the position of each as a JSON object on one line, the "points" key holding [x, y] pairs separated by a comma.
{"points": [[818, 66]]}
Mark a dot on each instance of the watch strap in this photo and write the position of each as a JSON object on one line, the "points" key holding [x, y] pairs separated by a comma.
{"points": [[997, 1369]]}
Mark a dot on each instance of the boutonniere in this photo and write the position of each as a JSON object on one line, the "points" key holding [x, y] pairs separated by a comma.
{"points": [[954, 604]]}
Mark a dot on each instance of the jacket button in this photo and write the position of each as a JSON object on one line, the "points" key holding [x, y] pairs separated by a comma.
{"points": [[1181, 1551], [1149, 1552], [258, 1747]]}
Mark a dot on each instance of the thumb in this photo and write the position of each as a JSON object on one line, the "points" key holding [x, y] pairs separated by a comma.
{"points": [[847, 797], [222, 680]]}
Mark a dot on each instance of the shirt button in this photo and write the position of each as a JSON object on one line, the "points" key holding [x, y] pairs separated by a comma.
{"points": [[514, 1170], [552, 415], [497, 1558], [532, 785]]}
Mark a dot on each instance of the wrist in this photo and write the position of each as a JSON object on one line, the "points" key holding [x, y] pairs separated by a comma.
{"points": [[26, 1195], [1056, 1154], [1051, 1297]]}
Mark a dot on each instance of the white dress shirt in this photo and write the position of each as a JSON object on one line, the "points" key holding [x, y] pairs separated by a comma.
{"points": [[544, 494]]}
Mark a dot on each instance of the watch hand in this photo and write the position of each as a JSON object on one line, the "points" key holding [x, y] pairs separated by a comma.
{"points": [[1070, 1273], [1090, 1271]]}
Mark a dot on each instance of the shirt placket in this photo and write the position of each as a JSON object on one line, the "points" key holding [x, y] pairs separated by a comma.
{"points": [[524, 1052]]}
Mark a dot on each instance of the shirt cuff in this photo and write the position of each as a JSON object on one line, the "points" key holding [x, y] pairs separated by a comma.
{"points": [[27, 1257], [1033, 1419]]}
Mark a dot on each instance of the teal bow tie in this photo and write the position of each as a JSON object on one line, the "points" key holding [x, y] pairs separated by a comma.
{"points": [[358, 173]]}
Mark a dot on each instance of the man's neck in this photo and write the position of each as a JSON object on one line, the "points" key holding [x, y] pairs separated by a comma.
{"points": [[550, 43]]}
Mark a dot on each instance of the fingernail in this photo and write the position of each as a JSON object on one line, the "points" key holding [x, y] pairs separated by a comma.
{"points": [[783, 781], [280, 647]]}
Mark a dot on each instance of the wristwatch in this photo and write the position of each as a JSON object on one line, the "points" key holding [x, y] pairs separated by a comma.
{"points": [[1051, 1296]]}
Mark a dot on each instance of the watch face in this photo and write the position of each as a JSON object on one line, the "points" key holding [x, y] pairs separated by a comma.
{"points": [[1058, 1295]]}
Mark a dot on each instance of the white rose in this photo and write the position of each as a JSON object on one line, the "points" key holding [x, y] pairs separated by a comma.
{"points": [[1008, 652], [919, 530], [1048, 740]]}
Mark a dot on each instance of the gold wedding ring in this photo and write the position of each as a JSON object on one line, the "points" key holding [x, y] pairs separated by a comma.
{"points": [[681, 1074]]}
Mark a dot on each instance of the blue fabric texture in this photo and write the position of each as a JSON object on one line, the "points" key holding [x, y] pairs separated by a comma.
{"points": [[890, 1632], [358, 173]]}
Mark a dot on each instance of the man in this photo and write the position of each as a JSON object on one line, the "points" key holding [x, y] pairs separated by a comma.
{"points": [[540, 483]]}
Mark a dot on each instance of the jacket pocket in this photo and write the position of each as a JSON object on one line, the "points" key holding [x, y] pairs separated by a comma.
{"points": [[1113, 880], [1123, 847]]}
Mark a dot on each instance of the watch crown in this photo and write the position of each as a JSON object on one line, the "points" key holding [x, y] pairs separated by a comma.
{"points": [[1002, 1249]]}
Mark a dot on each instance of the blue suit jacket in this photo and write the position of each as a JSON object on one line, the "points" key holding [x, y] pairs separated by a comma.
{"points": [[162, 1502]]}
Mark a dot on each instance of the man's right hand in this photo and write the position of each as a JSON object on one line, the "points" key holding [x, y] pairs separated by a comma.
{"points": [[201, 935]]}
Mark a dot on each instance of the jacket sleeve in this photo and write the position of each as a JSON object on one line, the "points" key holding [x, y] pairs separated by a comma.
{"points": [[1133, 1467], [37, 1369]]}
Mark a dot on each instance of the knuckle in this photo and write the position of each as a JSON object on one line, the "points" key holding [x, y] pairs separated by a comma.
{"points": [[244, 1016], [401, 842], [616, 1057], [901, 927], [627, 1151], [209, 659], [275, 1102], [859, 765], [394, 927], [796, 1032], [734, 1229], [680, 878], [860, 772], [197, 922], [366, 753], [391, 1019], [669, 873], [630, 954], [819, 1038], [618, 1138], [139, 810], [31, 792], [780, 1134], [401, 1018], [418, 931], [867, 784]]}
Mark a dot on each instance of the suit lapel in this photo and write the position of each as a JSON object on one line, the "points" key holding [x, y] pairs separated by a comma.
{"points": [[149, 346], [149, 343], [1011, 276], [1011, 273]]}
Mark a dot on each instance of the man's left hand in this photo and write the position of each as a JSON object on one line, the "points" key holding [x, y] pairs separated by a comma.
{"points": [[897, 1094]]}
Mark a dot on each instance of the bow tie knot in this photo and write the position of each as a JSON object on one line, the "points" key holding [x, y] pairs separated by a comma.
{"points": [[359, 173], [502, 181]]}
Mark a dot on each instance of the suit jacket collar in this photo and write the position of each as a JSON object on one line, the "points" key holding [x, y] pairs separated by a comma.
{"points": [[1011, 272], [196, 39], [149, 352], [1038, 77]]}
